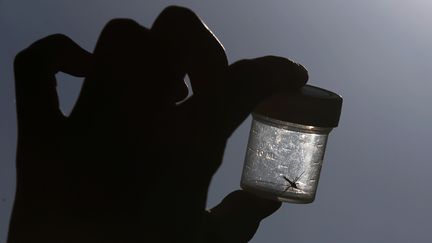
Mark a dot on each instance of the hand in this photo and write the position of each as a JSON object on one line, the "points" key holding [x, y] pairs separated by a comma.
{"points": [[129, 164]]}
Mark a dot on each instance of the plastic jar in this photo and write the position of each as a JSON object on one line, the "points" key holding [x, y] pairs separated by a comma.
{"points": [[287, 142]]}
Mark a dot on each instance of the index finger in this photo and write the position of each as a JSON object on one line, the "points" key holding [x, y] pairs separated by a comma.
{"points": [[35, 83]]}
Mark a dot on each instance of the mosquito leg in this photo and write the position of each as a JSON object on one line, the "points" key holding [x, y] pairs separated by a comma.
{"points": [[286, 189], [298, 177]]}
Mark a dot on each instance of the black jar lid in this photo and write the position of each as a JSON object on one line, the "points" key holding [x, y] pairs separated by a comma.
{"points": [[308, 105]]}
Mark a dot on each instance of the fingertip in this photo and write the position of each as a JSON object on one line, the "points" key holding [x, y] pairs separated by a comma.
{"points": [[262, 207], [283, 72], [180, 91], [246, 203], [239, 214], [80, 60], [303, 75]]}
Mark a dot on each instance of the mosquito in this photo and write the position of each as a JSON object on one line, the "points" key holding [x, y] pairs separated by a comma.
{"points": [[293, 183]]}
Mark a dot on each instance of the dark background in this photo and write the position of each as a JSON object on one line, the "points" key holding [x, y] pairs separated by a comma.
{"points": [[375, 184]]}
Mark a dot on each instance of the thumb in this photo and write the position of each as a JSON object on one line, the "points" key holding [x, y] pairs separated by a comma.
{"points": [[237, 217]]}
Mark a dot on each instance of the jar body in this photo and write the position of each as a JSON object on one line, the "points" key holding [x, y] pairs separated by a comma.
{"points": [[283, 160]]}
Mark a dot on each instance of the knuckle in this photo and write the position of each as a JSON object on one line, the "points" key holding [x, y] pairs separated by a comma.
{"points": [[21, 59], [247, 64], [25, 58], [176, 18], [58, 37], [40, 49], [121, 32], [120, 22], [119, 25], [177, 11], [55, 41]]}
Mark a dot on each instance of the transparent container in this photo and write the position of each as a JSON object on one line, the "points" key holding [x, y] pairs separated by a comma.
{"points": [[287, 142]]}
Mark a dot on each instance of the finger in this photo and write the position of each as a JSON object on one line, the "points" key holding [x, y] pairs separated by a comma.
{"points": [[35, 83], [129, 82], [237, 217], [193, 47], [252, 81], [197, 52], [123, 79]]}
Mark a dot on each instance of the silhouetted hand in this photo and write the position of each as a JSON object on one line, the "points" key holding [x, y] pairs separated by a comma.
{"points": [[128, 164]]}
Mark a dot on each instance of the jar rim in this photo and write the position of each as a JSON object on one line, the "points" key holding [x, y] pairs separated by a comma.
{"points": [[291, 126]]}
